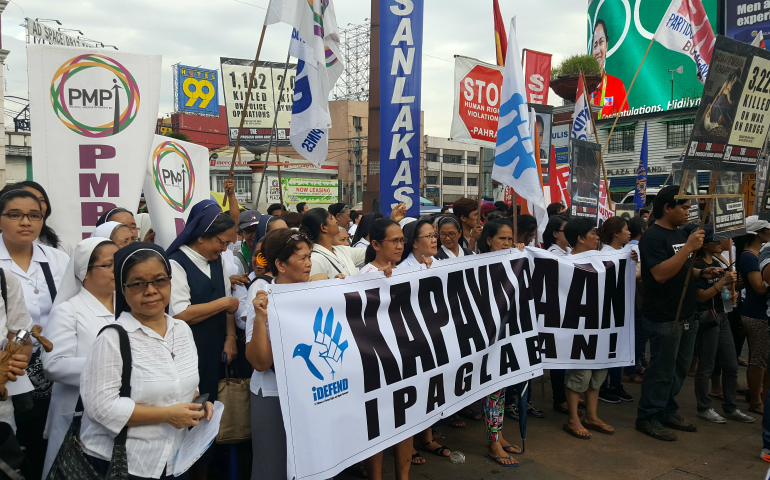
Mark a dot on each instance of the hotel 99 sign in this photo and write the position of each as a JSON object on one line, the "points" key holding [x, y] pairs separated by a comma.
{"points": [[197, 91]]}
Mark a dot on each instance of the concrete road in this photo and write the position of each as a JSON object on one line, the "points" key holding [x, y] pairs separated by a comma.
{"points": [[716, 452]]}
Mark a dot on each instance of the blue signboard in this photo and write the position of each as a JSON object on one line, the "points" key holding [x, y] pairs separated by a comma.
{"points": [[744, 19], [197, 91], [401, 30]]}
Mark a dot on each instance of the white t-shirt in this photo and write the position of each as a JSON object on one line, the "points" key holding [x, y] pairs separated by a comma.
{"points": [[368, 268], [362, 243], [558, 251]]}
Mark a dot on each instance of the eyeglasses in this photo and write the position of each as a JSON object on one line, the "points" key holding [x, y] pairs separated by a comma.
{"points": [[224, 244], [395, 241], [17, 216], [141, 287], [299, 236], [108, 267], [449, 234], [433, 236]]}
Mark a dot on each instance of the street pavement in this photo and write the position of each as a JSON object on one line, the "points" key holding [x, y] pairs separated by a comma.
{"points": [[715, 452]]}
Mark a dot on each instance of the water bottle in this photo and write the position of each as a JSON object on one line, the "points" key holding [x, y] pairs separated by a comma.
{"points": [[457, 457], [727, 304]]}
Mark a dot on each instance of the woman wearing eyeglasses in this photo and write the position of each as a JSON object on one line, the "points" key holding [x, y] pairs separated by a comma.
{"points": [[202, 297], [421, 244], [83, 307], [164, 372], [119, 233], [288, 260], [39, 269], [449, 233]]}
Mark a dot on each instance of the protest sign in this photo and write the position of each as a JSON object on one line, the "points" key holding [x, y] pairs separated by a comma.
{"points": [[690, 187], [543, 119], [95, 114], [625, 210], [477, 101], [732, 121], [177, 178], [749, 191], [584, 178], [729, 216], [401, 32], [376, 360]]}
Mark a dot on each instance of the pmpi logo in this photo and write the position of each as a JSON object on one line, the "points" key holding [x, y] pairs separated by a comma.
{"points": [[173, 175], [95, 96]]}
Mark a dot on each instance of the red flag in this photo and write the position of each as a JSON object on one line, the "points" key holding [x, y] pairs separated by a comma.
{"points": [[501, 39], [537, 76], [553, 177]]}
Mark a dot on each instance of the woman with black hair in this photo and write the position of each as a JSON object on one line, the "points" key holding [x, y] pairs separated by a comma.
{"points": [[40, 270], [554, 240], [386, 247], [421, 244], [340, 261], [449, 233], [164, 373], [47, 234], [201, 296], [121, 215], [526, 229], [361, 237]]}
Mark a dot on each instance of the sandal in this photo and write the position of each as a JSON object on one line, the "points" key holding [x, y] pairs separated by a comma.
{"points": [[512, 447], [416, 456], [456, 422], [581, 434], [439, 452], [468, 413], [497, 460], [436, 434], [601, 428], [755, 408]]}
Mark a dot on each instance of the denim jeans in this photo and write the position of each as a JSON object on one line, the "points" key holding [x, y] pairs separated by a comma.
{"points": [[670, 356], [614, 378], [715, 345]]}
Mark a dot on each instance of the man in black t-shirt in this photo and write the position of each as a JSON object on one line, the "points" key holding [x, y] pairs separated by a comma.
{"points": [[664, 252]]}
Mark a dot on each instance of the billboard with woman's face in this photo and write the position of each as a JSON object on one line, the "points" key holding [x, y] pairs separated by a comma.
{"points": [[619, 32]]}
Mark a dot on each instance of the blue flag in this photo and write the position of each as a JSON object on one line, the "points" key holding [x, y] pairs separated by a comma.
{"points": [[640, 194]]}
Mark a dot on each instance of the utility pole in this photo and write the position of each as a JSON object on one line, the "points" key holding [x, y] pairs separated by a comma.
{"points": [[3, 54]]}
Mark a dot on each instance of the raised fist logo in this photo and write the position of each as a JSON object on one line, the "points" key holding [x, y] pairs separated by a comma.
{"points": [[326, 352]]}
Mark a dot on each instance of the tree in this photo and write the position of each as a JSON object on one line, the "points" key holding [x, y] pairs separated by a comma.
{"points": [[179, 136]]}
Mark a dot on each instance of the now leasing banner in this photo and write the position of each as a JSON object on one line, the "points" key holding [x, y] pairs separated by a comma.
{"points": [[375, 360], [177, 178], [95, 113]]}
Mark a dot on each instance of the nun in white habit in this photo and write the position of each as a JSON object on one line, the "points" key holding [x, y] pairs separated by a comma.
{"points": [[83, 306]]}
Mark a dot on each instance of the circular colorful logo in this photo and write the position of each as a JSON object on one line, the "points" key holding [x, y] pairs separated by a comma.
{"points": [[92, 105], [173, 179]]}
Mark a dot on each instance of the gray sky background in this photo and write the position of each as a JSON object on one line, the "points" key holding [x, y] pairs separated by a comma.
{"points": [[198, 32]]}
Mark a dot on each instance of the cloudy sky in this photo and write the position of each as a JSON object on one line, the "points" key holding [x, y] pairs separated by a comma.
{"points": [[198, 33]]}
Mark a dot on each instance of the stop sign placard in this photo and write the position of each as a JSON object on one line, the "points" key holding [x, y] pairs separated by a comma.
{"points": [[478, 103]]}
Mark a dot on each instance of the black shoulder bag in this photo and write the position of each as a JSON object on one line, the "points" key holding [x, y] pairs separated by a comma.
{"points": [[70, 463]]}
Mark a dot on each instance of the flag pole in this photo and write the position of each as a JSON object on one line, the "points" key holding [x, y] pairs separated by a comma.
{"points": [[481, 183], [280, 184], [274, 131], [627, 94], [596, 134], [246, 104]]}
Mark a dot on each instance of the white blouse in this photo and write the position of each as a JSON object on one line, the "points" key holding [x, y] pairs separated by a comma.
{"points": [[558, 251], [17, 319], [264, 381], [460, 251], [157, 378], [361, 243], [345, 260], [180, 289]]}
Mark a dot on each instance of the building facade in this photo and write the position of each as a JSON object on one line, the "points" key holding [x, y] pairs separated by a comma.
{"points": [[18, 157], [452, 171]]}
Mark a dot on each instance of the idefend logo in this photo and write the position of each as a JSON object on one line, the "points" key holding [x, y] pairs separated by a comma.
{"points": [[175, 182], [90, 110]]}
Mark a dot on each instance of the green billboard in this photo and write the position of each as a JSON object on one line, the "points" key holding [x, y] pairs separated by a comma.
{"points": [[619, 32]]}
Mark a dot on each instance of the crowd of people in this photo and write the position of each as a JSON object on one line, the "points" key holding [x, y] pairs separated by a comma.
{"points": [[197, 309]]}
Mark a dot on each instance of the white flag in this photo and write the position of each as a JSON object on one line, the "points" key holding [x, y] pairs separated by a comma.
{"points": [[515, 163], [759, 40], [685, 28], [581, 119]]}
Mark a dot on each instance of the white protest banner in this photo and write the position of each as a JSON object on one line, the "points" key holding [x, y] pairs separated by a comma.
{"points": [[177, 178], [376, 360], [95, 114]]}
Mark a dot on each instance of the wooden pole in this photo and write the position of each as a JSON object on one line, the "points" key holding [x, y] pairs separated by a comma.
{"points": [[481, 183], [280, 184], [515, 202], [237, 149], [732, 285], [691, 262], [596, 134], [627, 94]]}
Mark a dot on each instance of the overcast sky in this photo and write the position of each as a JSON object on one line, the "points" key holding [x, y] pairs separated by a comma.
{"points": [[198, 32]]}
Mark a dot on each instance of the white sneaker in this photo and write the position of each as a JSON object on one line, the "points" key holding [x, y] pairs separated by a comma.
{"points": [[712, 416], [739, 416]]}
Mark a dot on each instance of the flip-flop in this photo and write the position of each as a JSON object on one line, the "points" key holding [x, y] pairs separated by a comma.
{"points": [[575, 433], [439, 452], [520, 452], [497, 460], [599, 428], [415, 456]]}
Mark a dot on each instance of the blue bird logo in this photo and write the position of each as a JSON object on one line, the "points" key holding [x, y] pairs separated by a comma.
{"points": [[326, 347]]}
